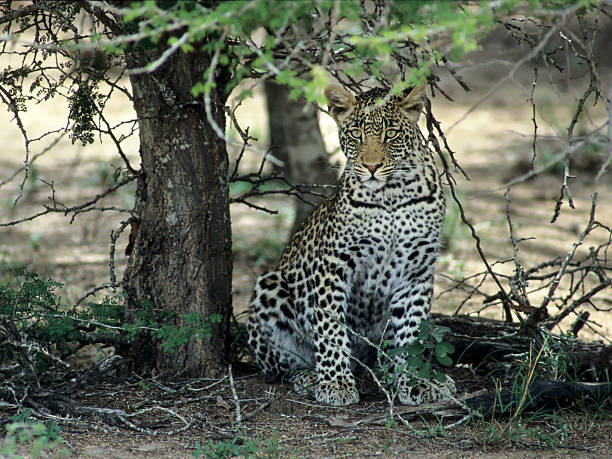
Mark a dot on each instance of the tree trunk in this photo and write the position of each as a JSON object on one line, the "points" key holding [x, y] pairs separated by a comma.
{"points": [[276, 98], [181, 258], [296, 140]]}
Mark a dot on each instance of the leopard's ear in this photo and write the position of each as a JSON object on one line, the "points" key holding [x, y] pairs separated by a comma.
{"points": [[412, 104], [341, 102]]}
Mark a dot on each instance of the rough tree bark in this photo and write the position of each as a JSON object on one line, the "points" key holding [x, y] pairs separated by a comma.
{"points": [[296, 140], [181, 257]]}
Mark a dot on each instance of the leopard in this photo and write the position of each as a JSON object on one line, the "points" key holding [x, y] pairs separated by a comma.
{"points": [[360, 269]]}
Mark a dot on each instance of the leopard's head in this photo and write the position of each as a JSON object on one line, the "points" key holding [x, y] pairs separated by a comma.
{"points": [[377, 130]]}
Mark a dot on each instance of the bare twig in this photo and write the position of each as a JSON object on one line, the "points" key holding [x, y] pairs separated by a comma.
{"points": [[238, 419], [553, 31], [568, 258]]}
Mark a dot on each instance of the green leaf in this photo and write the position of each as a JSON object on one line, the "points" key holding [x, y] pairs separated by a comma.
{"points": [[415, 349], [187, 48], [439, 377], [441, 352], [197, 89]]}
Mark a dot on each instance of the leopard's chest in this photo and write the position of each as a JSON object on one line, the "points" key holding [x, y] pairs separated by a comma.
{"points": [[385, 250]]}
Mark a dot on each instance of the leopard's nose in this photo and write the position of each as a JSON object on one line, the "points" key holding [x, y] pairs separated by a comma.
{"points": [[372, 167]]}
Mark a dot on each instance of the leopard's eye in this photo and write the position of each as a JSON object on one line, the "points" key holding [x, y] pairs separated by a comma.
{"points": [[355, 133], [391, 134]]}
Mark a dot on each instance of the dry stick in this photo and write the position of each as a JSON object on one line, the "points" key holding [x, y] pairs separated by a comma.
{"points": [[67, 421], [210, 386], [293, 190], [13, 107], [431, 122], [502, 292], [116, 141], [518, 283], [390, 396], [463, 284], [256, 179], [592, 88], [66, 210], [187, 424], [568, 257], [555, 159], [87, 322], [34, 157], [533, 113], [234, 395], [390, 399], [575, 39], [210, 118], [25, 11], [583, 299], [257, 410], [465, 418]]}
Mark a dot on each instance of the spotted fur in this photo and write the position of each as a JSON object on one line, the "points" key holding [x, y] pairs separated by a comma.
{"points": [[363, 263]]}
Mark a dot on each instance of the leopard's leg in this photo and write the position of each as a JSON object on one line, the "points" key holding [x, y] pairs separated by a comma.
{"points": [[281, 351], [335, 381], [408, 308]]}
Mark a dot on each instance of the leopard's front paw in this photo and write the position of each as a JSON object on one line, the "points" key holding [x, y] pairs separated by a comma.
{"points": [[422, 391], [337, 393]]}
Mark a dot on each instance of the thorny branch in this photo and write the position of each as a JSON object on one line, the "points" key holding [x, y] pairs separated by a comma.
{"points": [[583, 276], [56, 206]]}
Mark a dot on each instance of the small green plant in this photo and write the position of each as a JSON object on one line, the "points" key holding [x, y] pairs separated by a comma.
{"points": [[28, 308], [239, 446], [427, 348], [37, 329], [163, 326], [40, 439], [541, 430]]}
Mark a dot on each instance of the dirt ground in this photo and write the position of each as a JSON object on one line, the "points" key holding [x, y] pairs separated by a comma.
{"points": [[492, 144]]}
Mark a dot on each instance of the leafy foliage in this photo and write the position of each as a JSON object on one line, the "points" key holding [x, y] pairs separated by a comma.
{"points": [[240, 445], [428, 347], [41, 438], [294, 42], [37, 330], [83, 106]]}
